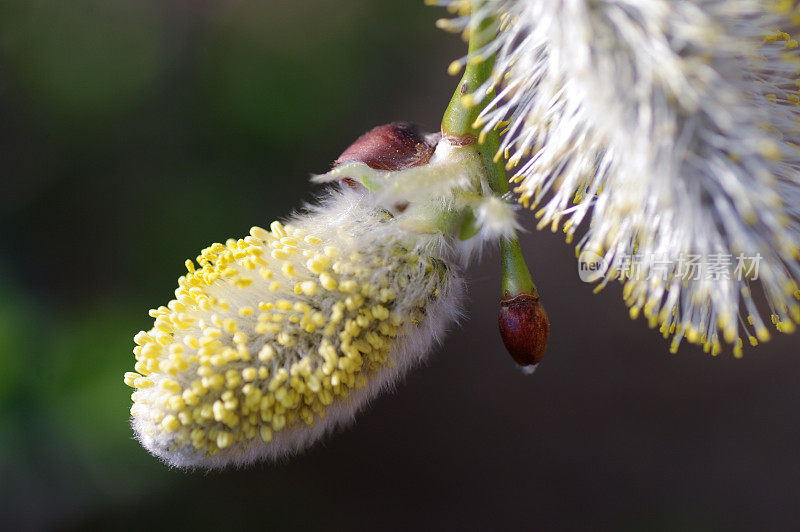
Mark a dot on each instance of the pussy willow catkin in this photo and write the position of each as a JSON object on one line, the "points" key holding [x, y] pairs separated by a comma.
{"points": [[275, 338], [659, 131]]}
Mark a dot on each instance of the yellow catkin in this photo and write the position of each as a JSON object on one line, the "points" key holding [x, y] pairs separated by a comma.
{"points": [[284, 344]]}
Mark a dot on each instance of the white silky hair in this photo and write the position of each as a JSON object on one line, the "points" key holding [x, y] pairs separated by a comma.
{"points": [[455, 182], [671, 127]]}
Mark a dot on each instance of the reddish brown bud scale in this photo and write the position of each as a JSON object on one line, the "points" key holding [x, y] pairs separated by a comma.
{"points": [[524, 328], [394, 146]]}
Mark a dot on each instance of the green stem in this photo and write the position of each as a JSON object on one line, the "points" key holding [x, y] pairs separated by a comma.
{"points": [[458, 121], [516, 277], [458, 117]]}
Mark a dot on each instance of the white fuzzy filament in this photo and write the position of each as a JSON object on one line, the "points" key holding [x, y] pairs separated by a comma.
{"points": [[670, 128]]}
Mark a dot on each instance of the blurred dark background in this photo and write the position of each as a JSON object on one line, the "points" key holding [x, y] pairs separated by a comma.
{"points": [[134, 133]]}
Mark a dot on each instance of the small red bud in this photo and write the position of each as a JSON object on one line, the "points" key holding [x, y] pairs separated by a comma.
{"points": [[525, 328], [394, 146]]}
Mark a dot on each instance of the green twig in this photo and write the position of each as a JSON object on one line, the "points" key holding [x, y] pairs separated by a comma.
{"points": [[459, 121]]}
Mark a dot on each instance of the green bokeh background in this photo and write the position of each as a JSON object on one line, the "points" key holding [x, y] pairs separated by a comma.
{"points": [[134, 133]]}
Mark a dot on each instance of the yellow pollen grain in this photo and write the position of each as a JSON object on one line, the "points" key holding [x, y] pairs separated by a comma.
{"points": [[143, 382], [327, 281], [318, 263], [309, 288], [348, 286], [259, 233], [289, 270], [277, 229], [170, 423]]}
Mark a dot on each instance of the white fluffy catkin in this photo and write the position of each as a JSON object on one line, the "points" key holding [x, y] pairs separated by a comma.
{"points": [[661, 131]]}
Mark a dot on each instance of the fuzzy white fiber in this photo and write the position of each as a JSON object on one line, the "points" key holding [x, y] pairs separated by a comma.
{"points": [[658, 128]]}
